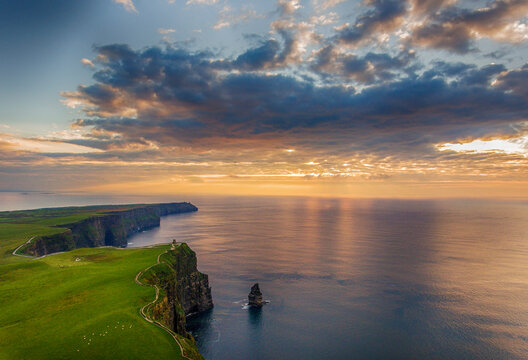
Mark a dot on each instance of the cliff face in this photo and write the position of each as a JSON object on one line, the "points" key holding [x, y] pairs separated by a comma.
{"points": [[108, 229], [50, 244], [184, 290]]}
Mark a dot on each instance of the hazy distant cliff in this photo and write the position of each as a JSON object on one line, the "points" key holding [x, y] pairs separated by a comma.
{"points": [[106, 229], [185, 290]]}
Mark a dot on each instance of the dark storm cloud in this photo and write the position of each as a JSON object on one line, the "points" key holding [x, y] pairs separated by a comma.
{"points": [[188, 99]]}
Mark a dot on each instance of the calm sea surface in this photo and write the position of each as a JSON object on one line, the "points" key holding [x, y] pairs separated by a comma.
{"points": [[354, 279]]}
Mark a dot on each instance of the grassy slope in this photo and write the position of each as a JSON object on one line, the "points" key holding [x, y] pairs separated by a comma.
{"points": [[50, 307], [13, 235], [164, 271]]}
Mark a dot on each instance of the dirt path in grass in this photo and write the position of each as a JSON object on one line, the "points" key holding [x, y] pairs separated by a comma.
{"points": [[18, 248], [31, 256], [144, 310]]}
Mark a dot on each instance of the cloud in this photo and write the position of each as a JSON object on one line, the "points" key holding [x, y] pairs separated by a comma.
{"points": [[290, 41], [261, 57], [46, 146], [515, 81], [289, 6], [193, 101], [228, 17], [437, 24], [516, 145], [455, 29], [367, 69], [429, 6], [127, 4], [382, 17], [164, 31], [325, 19], [201, 2], [295, 37], [87, 62], [357, 100], [328, 4], [466, 74]]}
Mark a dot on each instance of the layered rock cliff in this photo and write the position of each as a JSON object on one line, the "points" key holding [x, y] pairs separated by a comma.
{"points": [[109, 228], [183, 289]]}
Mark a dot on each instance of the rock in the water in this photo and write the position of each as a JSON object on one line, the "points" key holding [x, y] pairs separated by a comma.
{"points": [[255, 296]]}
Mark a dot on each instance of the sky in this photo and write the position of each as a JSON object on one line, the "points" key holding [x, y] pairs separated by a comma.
{"points": [[372, 98]]}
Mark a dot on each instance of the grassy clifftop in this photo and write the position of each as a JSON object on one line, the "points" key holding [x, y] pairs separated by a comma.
{"points": [[80, 304], [62, 229], [183, 289]]}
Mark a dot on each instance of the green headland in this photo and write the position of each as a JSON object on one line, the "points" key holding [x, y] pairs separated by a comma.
{"points": [[87, 302]]}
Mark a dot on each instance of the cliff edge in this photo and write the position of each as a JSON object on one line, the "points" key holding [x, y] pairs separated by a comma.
{"points": [[183, 289], [109, 228]]}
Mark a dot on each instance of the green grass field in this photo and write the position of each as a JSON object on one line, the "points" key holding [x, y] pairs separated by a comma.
{"points": [[82, 304]]}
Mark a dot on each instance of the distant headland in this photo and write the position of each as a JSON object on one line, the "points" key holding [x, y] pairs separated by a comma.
{"points": [[92, 226]]}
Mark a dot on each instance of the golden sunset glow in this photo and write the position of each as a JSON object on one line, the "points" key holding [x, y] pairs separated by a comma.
{"points": [[395, 99]]}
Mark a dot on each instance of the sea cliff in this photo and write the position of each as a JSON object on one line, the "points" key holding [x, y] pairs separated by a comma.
{"points": [[183, 289], [110, 228]]}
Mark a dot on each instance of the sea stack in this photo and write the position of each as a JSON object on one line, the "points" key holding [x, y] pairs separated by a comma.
{"points": [[255, 296]]}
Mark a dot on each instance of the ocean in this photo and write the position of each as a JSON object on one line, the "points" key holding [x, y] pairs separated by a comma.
{"points": [[350, 279]]}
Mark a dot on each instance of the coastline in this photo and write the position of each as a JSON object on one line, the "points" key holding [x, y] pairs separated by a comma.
{"points": [[96, 226], [107, 261]]}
